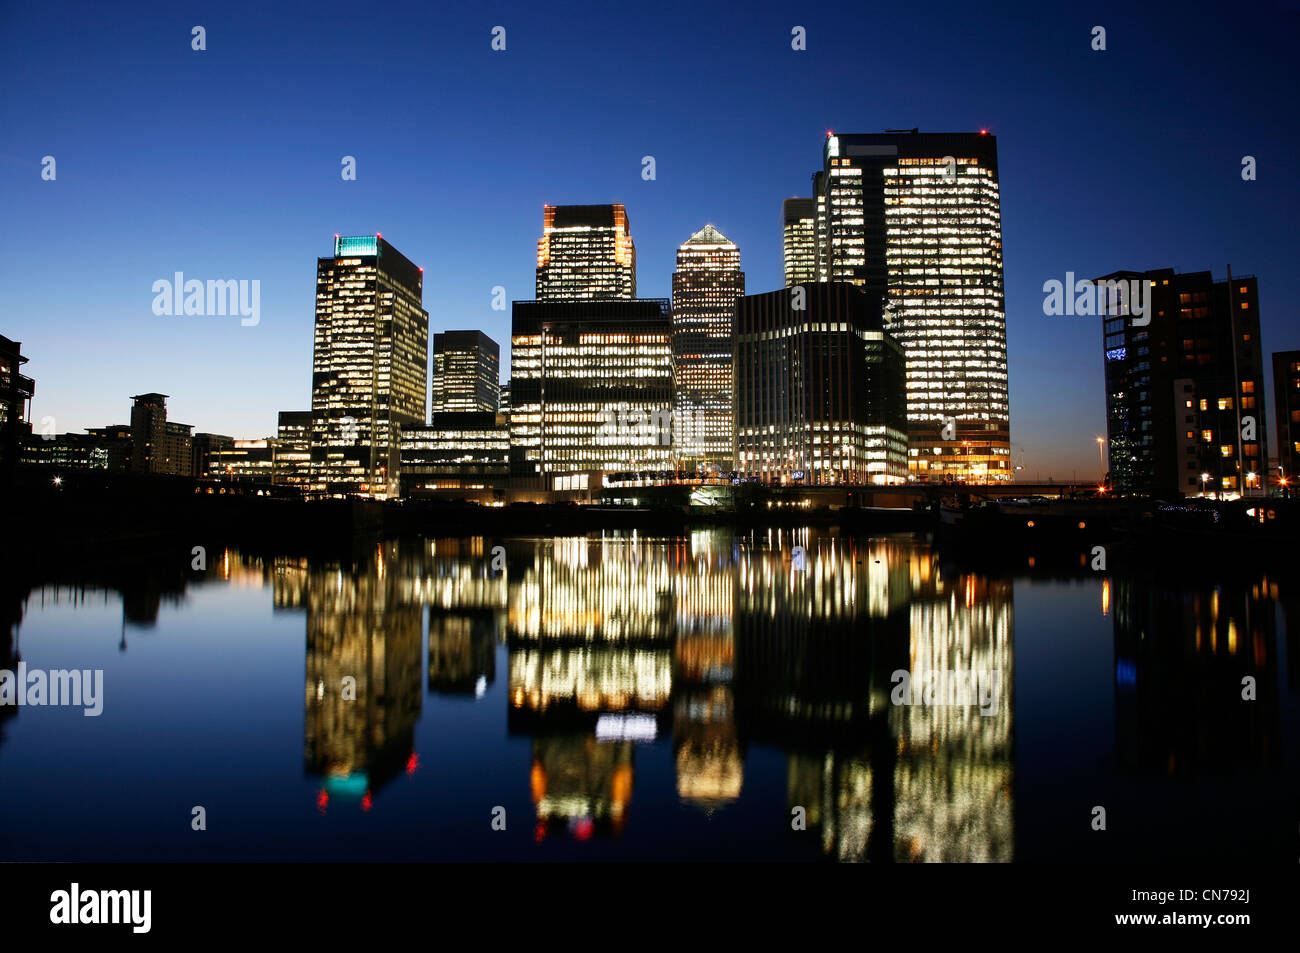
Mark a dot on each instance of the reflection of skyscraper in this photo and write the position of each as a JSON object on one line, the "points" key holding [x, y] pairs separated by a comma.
{"points": [[581, 784], [462, 652], [363, 677], [706, 739], [1183, 649], [370, 365], [953, 777]]}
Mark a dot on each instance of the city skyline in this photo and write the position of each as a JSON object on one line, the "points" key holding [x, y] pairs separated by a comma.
{"points": [[126, 223]]}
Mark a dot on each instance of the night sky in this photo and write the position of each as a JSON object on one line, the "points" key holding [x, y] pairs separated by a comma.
{"points": [[225, 163]]}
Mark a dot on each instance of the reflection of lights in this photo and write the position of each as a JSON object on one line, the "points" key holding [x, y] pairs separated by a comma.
{"points": [[412, 763], [480, 686], [366, 802], [626, 728], [1105, 597]]}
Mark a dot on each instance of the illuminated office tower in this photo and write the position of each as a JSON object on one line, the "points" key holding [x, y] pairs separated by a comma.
{"points": [[799, 240], [706, 285], [585, 251], [903, 222], [466, 373], [371, 365], [591, 387], [819, 389], [293, 448]]}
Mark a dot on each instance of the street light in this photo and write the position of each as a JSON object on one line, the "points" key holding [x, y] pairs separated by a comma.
{"points": [[1204, 477], [1101, 455], [1250, 478]]}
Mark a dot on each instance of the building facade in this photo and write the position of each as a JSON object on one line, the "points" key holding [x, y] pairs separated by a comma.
{"points": [[799, 240], [247, 461], [466, 373], [157, 444], [1185, 387], [585, 251], [591, 386], [1286, 410], [820, 395], [370, 365], [16, 391], [293, 449], [706, 286], [456, 451], [915, 218]]}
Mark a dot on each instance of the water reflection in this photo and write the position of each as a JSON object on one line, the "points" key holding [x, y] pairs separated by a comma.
{"points": [[748, 677], [718, 642]]}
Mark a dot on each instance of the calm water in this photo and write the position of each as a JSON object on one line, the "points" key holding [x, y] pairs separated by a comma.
{"points": [[622, 697]]}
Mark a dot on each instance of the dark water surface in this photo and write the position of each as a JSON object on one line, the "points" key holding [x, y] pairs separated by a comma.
{"points": [[623, 697]]}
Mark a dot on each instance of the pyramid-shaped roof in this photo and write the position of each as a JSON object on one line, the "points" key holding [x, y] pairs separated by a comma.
{"points": [[708, 235]]}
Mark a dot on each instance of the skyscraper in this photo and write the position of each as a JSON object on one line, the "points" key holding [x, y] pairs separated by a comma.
{"points": [[915, 218], [819, 389], [466, 373], [585, 251], [799, 240], [591, 387], [1185, 389], [706, 285], [370, 367]]}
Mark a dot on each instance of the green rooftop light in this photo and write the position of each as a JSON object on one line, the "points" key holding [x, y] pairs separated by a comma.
{"points": [[355, 245]]}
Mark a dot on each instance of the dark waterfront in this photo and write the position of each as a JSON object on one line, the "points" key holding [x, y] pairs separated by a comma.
{"points": [[626, 697]]}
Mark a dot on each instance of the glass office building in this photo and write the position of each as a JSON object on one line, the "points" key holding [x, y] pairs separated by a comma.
{"points": [[585, 251], [370, 366], [915, 218], [706, 285], [591, 387], [466, 373], [819, 390]]}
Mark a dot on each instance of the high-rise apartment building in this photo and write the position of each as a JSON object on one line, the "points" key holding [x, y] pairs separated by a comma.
{"points": [[819, 389], [16, 390], [915, 218], [1286, 408], [706, 285], [157, 444], [1185, 387], [370, 366], [591, 386], [799, 240], [585, 251], [466, 373]]}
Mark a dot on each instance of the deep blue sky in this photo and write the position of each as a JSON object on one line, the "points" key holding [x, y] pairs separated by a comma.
{"points": [[225, 164]]}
